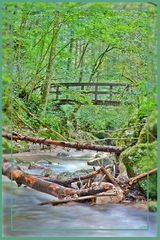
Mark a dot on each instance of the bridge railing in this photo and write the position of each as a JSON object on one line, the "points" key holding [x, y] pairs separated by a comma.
{"points": [[101, 93]]}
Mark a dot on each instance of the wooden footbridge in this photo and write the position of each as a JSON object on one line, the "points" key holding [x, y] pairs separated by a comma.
{"points": [[98, 93]]}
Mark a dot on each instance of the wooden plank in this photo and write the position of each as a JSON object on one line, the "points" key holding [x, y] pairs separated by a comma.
{"points": [[89, 84], [89, 92], [97, 102], [65, 100]]}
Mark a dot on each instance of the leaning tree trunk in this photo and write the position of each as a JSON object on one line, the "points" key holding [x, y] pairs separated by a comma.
{"points": [[46, 86], [82, 60], [69, 62]]}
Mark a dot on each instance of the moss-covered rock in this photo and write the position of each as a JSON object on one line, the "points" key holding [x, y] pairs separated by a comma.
{"points": [[141, 154], [141, 158], [152, 206], [149, 131]]}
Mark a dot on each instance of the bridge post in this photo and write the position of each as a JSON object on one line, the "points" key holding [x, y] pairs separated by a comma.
{"points": [[82, 88], [96, 91], [110, 93], [57, 92], [67, 87]]}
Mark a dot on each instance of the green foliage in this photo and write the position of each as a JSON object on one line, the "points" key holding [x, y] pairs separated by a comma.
{"points": [[27, 40], [98, 118], [96, 42]]}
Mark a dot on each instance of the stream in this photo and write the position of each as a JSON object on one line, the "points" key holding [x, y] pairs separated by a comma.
{"points": [[22, 216]]}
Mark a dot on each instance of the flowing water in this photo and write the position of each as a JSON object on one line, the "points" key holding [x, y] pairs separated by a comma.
{"points": [[22, 216]]}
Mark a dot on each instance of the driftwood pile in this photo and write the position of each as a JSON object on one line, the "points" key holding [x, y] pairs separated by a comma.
{"points": [[106, 189]]}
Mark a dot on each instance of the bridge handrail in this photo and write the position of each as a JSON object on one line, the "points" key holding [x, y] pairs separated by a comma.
{"points": [[94, 88], [89, 84]]}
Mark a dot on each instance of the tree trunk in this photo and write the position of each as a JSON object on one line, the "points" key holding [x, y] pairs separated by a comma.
{"points": [[76, 54], [70, 52], [78, 146], [49, 74], [99, 61], [81, 61]]}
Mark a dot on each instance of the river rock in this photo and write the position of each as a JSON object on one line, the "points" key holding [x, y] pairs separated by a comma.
{"points": [[82, 172], [110, 199], [44, 162], [63, 154]]}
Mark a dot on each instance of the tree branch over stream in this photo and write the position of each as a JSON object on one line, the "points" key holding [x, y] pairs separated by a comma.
{"points": [[78, 146]]}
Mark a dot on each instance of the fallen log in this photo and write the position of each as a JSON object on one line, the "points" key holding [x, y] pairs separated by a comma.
{"points": [[140, 176], [50, 188], [78, 146], [79, 199]]}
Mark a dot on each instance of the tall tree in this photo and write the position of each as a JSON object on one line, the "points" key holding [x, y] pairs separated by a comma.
{"points": [[50, 68], [70, 52], [81, 61]]}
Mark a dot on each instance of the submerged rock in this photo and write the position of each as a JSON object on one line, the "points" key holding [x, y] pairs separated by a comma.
{"points": [[82, 172], [44, 162], [63, 154]]}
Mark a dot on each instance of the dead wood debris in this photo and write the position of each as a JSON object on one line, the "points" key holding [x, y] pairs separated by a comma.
{"points": [[97, 187]]}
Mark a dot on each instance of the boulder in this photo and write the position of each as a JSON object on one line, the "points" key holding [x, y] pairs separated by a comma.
{"points": [[149, 131], [141, 158], [110, 199]]}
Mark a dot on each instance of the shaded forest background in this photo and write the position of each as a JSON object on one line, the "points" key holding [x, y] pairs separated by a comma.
{"points": [[78, 42]]}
